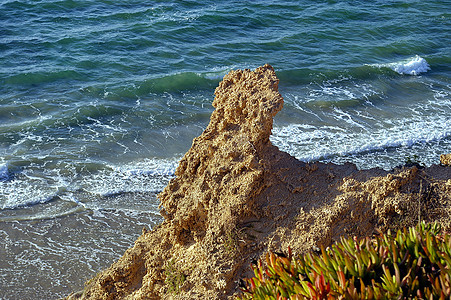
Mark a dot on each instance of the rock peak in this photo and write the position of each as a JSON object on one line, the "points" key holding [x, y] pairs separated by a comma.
{"points": [[247, 100]]}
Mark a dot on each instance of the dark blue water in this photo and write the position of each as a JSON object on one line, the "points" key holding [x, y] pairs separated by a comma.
{"points": [[99, 100]]}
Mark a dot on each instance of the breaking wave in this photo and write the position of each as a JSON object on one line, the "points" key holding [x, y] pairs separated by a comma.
{"points": [[412, 66]]}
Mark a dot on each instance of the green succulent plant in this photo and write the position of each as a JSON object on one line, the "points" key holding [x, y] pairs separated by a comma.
{"points": [[413, 264], [174, 277]]}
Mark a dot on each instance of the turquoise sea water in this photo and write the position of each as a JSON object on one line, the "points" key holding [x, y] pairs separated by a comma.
{"points": [[99, 100]]}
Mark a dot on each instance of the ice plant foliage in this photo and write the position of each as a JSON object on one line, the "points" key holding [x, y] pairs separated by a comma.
{"points": [[413, 264]]}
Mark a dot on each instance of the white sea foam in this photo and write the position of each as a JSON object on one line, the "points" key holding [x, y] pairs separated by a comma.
{"points": [[38, 186], [29, 187], [411, 66], [149, 175], [21, 193], [148, 167], [309, 143]]}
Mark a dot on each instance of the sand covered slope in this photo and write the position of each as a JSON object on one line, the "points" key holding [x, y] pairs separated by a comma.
{"points": [[236, 196]]}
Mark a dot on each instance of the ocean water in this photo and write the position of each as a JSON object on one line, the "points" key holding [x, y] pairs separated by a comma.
{"points": [[100, 99]]}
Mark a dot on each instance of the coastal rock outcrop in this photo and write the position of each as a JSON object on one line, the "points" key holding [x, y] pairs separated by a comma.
{"points": [[235, 196], [220, 176]]}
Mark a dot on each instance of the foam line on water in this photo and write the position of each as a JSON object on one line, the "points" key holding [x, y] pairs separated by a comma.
{"points": [[29, 187], [309, 143], [149, 175], [30, 197], [37, 185]]}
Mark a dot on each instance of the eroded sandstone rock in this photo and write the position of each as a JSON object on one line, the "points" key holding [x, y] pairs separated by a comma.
{"points": [[220, 176], [236, 196]]}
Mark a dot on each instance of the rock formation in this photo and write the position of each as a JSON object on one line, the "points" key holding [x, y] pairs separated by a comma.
{"points": [[235, 196]]}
